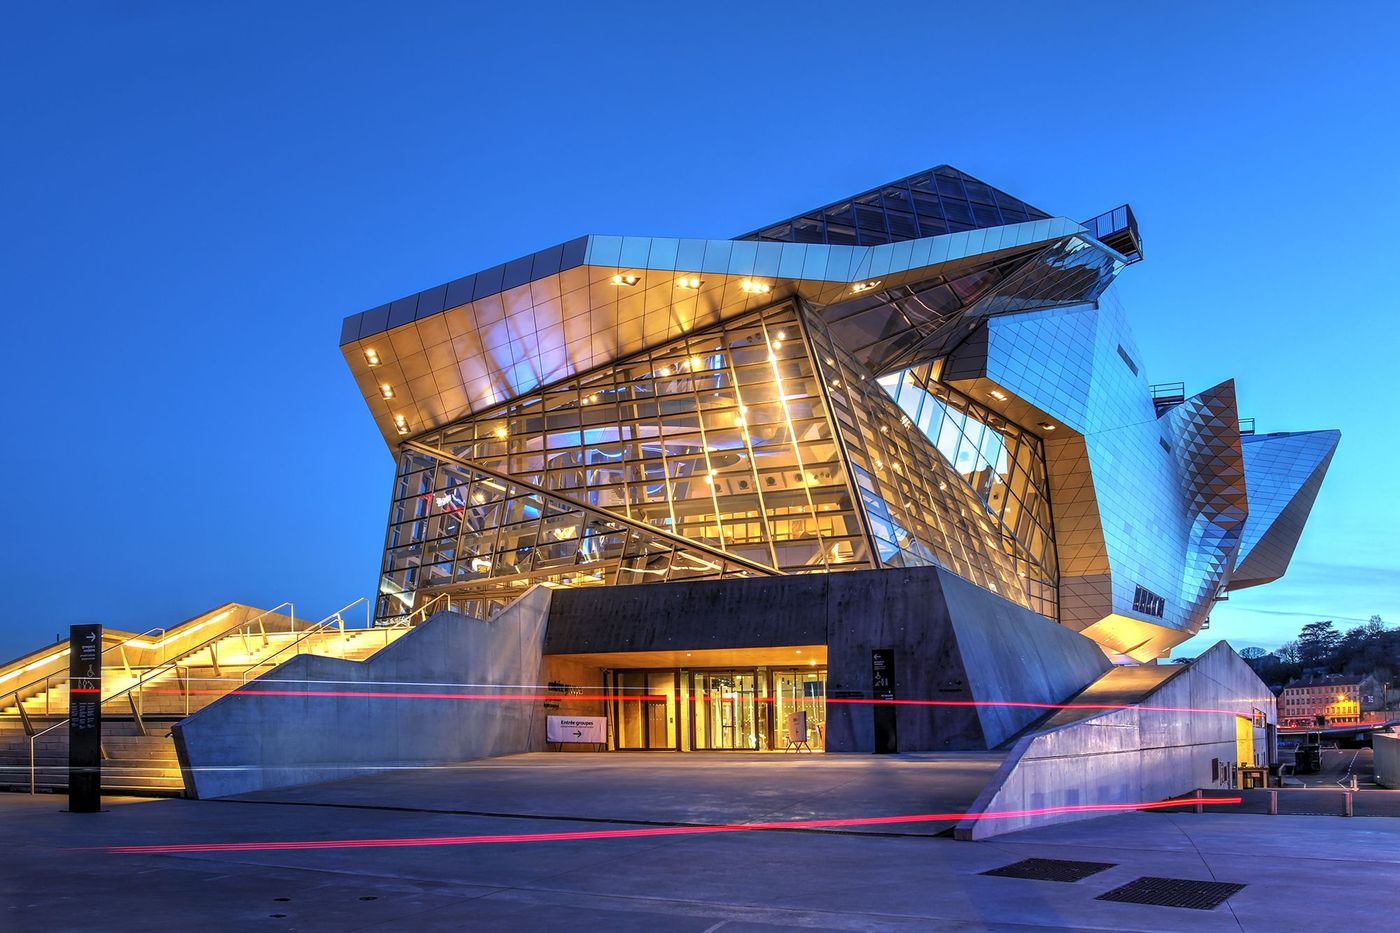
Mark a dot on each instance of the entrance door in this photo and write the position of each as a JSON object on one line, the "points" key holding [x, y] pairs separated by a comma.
{"points": [[644, 708], [801, 690], [724, 706]]}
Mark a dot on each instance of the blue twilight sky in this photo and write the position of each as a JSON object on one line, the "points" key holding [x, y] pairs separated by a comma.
{"points": [[195, 195]]}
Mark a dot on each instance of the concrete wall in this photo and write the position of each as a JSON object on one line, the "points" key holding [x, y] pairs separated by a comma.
{"points": [[1131, 755], [952, 641], [1012, 653], [582, 686], [1387, 750], [757, 612], [261, 738]]}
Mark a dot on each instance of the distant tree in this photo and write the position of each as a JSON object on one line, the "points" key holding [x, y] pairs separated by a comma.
{"points": [[1351, 651], [1288, 652], [1252, 654], [1374, 627], [1318, 643]]}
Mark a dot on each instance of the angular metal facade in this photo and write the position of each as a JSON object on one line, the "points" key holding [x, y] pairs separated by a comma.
{"points": [[931, 372], [1283, 473]]}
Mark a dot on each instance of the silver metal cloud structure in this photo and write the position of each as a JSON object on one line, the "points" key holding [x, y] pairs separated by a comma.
{"points": [[931, 372]]}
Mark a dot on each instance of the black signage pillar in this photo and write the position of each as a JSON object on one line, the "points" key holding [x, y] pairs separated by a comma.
{"points": [[85, 719], [882, 682]]}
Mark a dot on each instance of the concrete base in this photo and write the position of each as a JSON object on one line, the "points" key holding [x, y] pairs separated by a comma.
{"points": [[1184, 733], [321, 719], [952, 641], [967, 650]]}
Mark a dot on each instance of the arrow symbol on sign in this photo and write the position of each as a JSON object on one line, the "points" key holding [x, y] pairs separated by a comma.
{"points": [[577, 732], [92, 636]]}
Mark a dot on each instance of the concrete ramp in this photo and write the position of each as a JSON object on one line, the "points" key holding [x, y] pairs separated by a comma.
{"points": [[1177, 730], [317, 719]]}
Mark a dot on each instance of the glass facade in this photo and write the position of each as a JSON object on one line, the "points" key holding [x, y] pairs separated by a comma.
{"points": [[756, 445], [933, 203], [925, 507], [721, 439], [486, 538]]}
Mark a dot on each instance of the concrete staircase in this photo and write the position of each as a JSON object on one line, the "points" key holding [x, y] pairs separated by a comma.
{"points": [[142, 702]]}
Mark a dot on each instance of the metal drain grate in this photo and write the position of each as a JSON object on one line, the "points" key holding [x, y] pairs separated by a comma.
{"points": [[1050, 869], [1174, 892]]}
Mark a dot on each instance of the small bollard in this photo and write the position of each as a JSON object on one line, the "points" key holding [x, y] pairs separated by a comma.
{"points": [[1347, 811], [1199, 807], [1273, 803]]}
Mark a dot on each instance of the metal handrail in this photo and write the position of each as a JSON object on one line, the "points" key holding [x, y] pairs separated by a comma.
{"points": [[44, 681], [335, 620], [149, 675], [121, 647]]}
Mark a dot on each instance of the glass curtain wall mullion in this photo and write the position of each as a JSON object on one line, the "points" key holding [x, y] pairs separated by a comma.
{"points": [[741, 423], [813, 335], [804, 475]]}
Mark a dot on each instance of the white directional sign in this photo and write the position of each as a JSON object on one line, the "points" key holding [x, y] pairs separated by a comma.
{"points": [[592, 729]]}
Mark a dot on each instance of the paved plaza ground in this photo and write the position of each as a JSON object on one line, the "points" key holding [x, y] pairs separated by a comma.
{"points": [[57, 874]]}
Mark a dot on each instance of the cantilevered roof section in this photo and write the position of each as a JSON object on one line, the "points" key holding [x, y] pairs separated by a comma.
{"points": [[437, 356], [900, 270]]}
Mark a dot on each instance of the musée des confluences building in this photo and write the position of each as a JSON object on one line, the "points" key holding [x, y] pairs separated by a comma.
{"points": [[912, 421]]}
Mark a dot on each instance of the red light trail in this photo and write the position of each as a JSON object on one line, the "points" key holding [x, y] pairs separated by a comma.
{"points": [[650, 831], [661, 698]]}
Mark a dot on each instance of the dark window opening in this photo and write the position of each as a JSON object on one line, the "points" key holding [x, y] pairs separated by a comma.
{"points": [[1148, 603], [1127, 359]]}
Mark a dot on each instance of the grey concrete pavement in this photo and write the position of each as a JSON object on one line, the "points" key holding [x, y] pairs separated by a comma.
{"points": [[672, 788], [56, 873], [757, 880]]}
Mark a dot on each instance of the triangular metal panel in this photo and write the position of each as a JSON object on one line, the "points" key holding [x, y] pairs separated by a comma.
{"points": [[1283, 474]]}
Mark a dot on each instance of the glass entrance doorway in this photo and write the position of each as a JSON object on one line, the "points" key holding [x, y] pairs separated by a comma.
{"points": [[724, 707], [718, 709], [800, 691], [645, 706]]}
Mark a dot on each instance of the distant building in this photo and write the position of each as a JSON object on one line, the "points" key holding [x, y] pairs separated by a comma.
{"points": [[1340, 698]]}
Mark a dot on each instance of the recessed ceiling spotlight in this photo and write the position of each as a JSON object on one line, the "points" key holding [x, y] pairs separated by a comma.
{"points": [[998, 395], [688, 281], [401, 424], [386, 390], [863, 286], [626, 279], [1046, 426], [371, 357], [755, 288]]}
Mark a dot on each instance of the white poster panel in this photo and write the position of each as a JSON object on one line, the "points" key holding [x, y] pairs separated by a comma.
{"points": [[588, 729], [797, 727]]}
